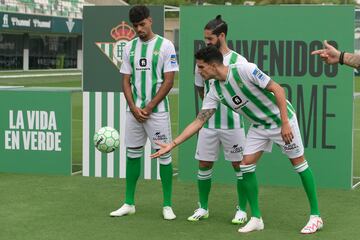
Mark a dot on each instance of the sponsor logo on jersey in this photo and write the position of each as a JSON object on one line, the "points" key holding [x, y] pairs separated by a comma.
{"points": [[173, 60], [143, 65], [122, 34], [236, 149], [158, 136], [259, 74], [142, 62], [237, 100]]}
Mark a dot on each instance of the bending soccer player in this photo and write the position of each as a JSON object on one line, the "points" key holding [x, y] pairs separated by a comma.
{"points": [[225, 128], [247, 90], [148, 68]]}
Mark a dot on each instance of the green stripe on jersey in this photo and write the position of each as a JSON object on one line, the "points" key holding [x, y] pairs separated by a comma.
{"points": [[132, 55], [254, 99], [230, 115], [233, 58], [271, 97], [144, 47], [156, 53], [245, 109]]}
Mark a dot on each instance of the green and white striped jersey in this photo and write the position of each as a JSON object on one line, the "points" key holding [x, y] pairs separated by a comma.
{"points": [[224, 117], [147, 62], [244, 92]]}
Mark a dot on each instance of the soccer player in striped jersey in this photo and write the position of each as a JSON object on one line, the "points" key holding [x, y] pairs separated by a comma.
{"points": [[225, 128], [249, 91], [148, 68]]}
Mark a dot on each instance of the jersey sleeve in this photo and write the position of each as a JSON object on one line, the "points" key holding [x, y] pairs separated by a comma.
{"points": [[170, 60], [199, 81], [211, 100], [125, 65], [255, 75]]}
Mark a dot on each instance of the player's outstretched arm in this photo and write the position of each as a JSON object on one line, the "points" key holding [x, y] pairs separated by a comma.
{"points": [[280, 97], [352, 60], [190, 130], [200, 90]]}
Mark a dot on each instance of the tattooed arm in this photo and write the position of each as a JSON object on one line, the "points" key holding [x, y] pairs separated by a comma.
{"points": [[190, 130], [352, 60]]}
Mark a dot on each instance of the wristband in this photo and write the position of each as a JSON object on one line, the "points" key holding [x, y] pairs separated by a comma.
{"points": [[341, 58]]}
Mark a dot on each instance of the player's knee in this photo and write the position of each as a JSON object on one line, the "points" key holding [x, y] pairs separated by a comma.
{"points": [[236, 165], [134, 152], [205, 164], [301, 166], [165, 159]]}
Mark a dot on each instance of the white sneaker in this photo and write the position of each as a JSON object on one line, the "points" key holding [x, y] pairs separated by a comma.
{"points": [[125, 209], [199, 213], [254, 224], [240, 216], [168, 213], [314, 224]]}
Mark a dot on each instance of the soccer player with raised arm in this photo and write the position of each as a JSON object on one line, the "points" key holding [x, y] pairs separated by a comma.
{"points": [[250, 92], [225, 128], [148, 68]]}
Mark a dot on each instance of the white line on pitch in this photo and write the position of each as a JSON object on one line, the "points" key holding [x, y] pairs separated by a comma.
{"points": [[40, 75]]}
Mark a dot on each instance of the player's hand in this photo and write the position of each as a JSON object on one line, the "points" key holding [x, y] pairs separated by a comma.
{"points": [[164, 148], [147, 110], [286, 133], [329, 54], [139, 114]]}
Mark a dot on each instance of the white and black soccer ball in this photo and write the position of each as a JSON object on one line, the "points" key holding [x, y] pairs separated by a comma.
{"points": [[106, 139]]}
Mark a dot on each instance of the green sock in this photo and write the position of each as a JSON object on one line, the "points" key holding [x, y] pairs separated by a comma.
{"points": [[132, 175], [308, 182], [166, 175], [252, 191], [242, 200], [204, 186]]}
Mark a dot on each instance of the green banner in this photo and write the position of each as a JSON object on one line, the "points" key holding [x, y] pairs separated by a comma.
{"points": [[107, 29], [35, 130], [279, 39], [39, 23]]}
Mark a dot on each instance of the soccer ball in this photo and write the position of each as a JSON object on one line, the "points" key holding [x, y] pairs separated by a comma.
{"points": [[106, 139]]}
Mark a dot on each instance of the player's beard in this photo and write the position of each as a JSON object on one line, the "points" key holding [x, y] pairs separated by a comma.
{"points": [[217, 44]]}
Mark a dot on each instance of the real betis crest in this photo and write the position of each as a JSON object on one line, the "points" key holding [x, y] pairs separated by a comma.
{"points": [[114, 50]]}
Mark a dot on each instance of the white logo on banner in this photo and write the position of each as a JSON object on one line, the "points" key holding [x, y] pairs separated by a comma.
{"points": [[6, 21], [70, 24]]}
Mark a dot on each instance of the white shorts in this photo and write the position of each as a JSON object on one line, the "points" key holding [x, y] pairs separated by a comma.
{"points": [[210, 140], [262, 140], [156, 128]]}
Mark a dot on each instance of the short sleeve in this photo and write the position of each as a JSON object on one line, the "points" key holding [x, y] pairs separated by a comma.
{"points": [[199, 81], [125, 65], [211, 100], [255, 75], [170, 60]]}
